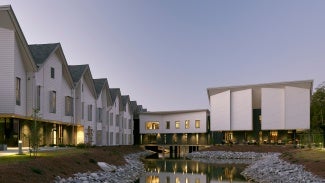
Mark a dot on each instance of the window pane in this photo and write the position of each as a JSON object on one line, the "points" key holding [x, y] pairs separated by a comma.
{"points": [[167, 124], [152, 125], [187, 124], [38, 98], [197, 123], [17, 91], [52, 101], [52, 72], [177, 124]]}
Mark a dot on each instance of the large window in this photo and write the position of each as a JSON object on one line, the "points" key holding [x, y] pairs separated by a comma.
{"points": [[68, 106], [52, 101], [90, 112], [177, 124], [152, 125], [18, 80], [52, 73], [130, 124], [117, 120], [197, 124], [187, 124], [167, 124]]}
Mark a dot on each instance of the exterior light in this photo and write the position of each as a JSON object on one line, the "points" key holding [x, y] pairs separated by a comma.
{"points": [[20, 147]]}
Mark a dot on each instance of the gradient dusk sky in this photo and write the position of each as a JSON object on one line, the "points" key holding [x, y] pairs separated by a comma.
{"points": [[165, 54]]}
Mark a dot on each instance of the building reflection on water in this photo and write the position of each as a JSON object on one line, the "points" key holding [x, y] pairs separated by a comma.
{"points": [[187, 171]]}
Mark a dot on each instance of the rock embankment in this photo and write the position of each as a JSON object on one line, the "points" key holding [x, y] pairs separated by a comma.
{"points": [[263, 167], [271, 168], [111, 174]]}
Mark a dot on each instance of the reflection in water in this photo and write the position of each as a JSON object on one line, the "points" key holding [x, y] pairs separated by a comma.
{"points": [[188, 171]]}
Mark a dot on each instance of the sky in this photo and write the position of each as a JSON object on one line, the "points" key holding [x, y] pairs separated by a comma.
{"points": [[165, 54]]}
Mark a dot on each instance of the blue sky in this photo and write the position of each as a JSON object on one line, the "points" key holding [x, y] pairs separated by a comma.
{"points": [[164, 54]]}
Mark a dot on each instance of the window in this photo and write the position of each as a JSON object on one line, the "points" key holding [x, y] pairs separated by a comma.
{"points": [[82, 87], [117, 139], [52, 73], [52, 101], [197, 123], [68, 106], [111, 138], [18, 91], [152, 125], [107, 117], [38, 97], [82, 110], [99, 115], [187, 124], [90, 112], [167, 124], [130, 124], [117, 117], [111, 119], [177, 124]]}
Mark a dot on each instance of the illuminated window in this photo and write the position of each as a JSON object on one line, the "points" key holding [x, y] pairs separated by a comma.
{"points": [[177, 124], [167, 124], [187, 124], [197, 123], [274, 133], [152, 125]]}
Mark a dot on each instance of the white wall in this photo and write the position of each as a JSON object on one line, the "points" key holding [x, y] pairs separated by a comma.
{"points": [[241, 110], [297, 108], [220, 111], [181, 117], [272, 108], [115, 110], [7, 76]]}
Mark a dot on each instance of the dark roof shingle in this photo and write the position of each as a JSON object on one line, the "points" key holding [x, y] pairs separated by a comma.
{"points": [[99, 84], [76, 71], [41, 52]]}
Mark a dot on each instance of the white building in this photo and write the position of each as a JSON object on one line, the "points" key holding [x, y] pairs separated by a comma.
{"points": [[127, 123], [260, 112], [188, 127], [104, 104], [85, 103], [115, 117]]}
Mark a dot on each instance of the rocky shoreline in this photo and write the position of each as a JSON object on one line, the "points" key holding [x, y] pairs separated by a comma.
{"points": [[263, 167], [111, 174]]}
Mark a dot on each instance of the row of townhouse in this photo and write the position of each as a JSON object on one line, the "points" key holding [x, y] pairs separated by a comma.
{"points": [[68, 105]]}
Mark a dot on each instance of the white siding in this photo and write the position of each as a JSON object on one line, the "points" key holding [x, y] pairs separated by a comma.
{"points": [[113, 129], [297, 108], [7, 77], [181, 117], [241, 110], [272, 108], [66, 90], [220, 111]]}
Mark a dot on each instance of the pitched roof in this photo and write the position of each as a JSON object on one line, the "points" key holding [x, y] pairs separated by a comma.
{"points": [[99, 84], [76, 71], [134, 106], [125, 99], [41, 52], [114, 93]]}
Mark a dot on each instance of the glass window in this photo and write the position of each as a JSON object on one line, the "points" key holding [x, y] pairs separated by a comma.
{"points": [[83, 110], [52, 72], [90, 112], [68, 106], [187, 124], [177, 124], [152, 125], [52, 101], [111, 119], [197, 123], [38, 97], [130, 124], [18, 91], [117, 120], [99, 114], [167, 124]]}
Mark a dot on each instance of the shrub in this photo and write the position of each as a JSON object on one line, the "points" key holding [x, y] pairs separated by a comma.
{"points": [[81, 146], [36, 170]]}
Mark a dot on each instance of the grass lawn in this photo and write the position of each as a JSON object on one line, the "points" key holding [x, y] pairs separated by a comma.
{"points": [[64, 163]]}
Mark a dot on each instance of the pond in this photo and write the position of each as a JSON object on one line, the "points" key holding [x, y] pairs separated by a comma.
{"points": [[181, 170]]}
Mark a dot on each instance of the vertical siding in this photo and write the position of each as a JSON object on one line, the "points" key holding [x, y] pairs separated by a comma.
{"points": [[7, 78], [21, 73], [66, 90]]}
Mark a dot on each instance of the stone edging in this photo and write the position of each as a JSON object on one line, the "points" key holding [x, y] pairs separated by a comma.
{"points": [[114, 174], [263, 167]]}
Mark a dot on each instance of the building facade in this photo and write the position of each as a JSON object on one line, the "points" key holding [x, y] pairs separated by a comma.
{"points": [[262, 113]]}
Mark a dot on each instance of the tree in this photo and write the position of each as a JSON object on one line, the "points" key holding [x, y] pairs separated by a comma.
{"points": [[317, 108], [35, 135]]}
